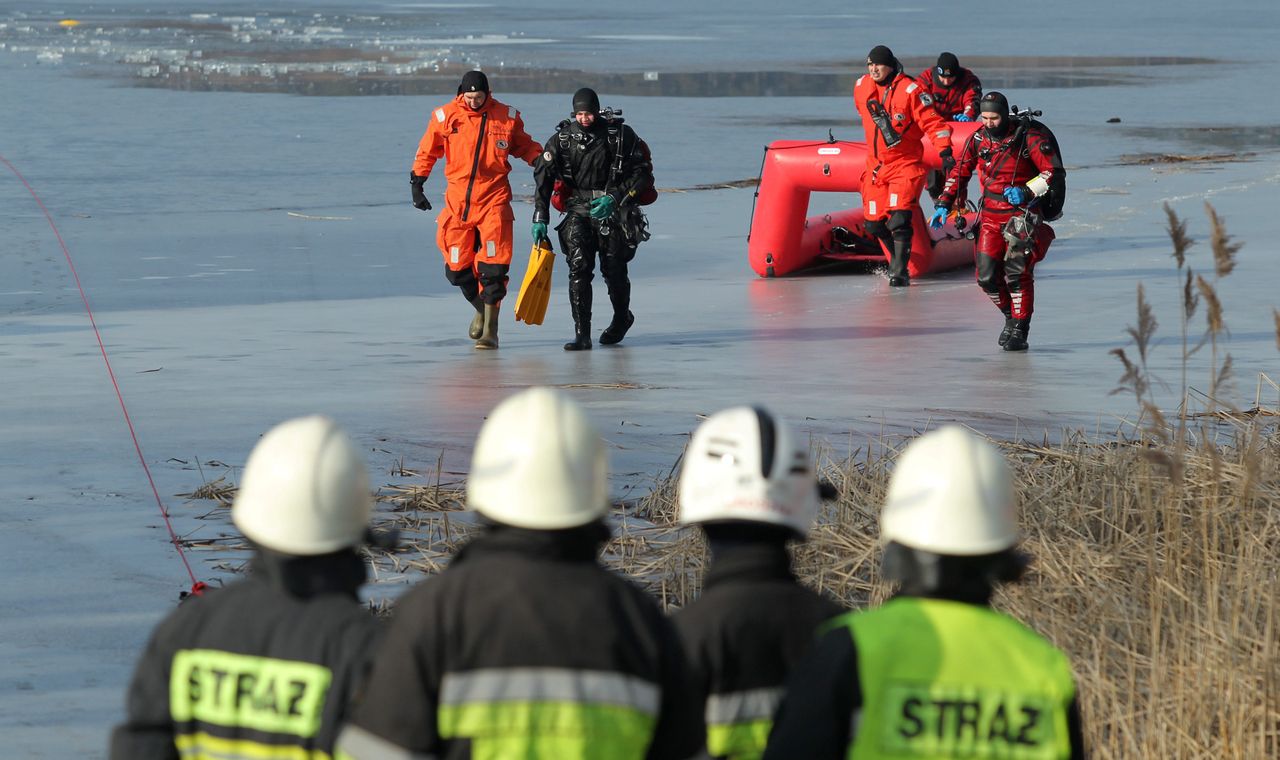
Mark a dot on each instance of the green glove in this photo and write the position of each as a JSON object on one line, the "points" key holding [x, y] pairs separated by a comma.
{"points": [[539, 231], [602, 207]]}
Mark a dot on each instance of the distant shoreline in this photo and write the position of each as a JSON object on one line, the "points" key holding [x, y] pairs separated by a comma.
{"points": [[340, 75]]}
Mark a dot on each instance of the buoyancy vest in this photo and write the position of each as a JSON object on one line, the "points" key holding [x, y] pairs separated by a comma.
{"points": [[563, 188]]}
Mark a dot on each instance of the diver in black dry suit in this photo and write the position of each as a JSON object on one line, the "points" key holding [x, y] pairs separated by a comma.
{"points": [[604, 166]]}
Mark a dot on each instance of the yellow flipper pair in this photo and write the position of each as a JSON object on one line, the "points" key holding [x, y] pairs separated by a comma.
{"points": [[535, 291]]}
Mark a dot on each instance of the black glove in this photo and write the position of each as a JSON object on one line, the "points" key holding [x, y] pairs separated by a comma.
{"points": [[419, 198], [948, 161], [883, 123]]}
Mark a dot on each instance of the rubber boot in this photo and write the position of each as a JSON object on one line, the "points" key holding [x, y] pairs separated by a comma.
{"points": [[623, 319], [581, 342], [617, 329], [477, 322], [580, 308], [899, 276], [489, 334], [1009, 322], [1018, 335]]}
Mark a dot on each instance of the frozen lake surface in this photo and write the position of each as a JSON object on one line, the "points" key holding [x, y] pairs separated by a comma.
{"points": [[253, 257]]}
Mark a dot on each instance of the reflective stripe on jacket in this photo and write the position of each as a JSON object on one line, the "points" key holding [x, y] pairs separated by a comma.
{"points": [[1013, 160], [526, 647], [476, 147], [742, 636], [910, 110], [263, 668]]}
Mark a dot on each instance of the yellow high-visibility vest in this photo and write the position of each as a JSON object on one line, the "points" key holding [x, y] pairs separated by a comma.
{"points": [[943, 679]]}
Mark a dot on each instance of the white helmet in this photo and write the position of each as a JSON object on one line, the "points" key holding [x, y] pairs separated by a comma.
{"points": [[951, 493], [305, 489], [539, 463], [745, 464]]}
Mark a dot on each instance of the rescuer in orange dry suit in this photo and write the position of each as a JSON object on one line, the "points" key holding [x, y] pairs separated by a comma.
{"points": [[896, 113], [476, 134]]}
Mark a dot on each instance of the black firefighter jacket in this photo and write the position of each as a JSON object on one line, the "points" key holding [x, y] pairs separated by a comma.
{"points": [[526, 647], [265, 667], [742, 636]]}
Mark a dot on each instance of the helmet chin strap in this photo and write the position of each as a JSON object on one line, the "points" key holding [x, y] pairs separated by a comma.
{"points": [[967, 579]]}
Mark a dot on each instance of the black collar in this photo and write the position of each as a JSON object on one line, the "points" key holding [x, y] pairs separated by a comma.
{"points": [[340, 572], [744, 562], [581, 544]]}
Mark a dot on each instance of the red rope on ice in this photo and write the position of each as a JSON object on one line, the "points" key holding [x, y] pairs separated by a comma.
{"points": [[197, 587]]}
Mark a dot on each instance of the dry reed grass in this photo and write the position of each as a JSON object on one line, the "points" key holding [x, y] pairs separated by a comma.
{"points": [[1156, 553], [1163, 593]]}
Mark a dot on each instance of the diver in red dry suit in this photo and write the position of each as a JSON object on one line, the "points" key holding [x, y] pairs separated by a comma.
{"points": [[1016, 162]]}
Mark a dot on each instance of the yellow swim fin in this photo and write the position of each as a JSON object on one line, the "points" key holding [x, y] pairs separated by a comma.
{"points": [[535, 291]]}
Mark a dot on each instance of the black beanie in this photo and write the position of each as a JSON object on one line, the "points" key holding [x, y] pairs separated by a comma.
{"points": [[587, 100], [948, 65], [474, 81], [880, 55], [994, 102]]}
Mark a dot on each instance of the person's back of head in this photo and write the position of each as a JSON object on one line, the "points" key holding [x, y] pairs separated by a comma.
{"points": [[305, 490], [539, 464], [949, 521], [745, 474]]}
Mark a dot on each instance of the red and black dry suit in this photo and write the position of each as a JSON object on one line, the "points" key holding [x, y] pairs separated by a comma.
{"points": [[743, 635], [474, 227], [606, 158], [265, 667], [1024, 156], [526, 647], [961, 98]]}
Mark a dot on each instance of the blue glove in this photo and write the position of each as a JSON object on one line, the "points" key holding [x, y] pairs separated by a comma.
{"points": [[538, 231], [602, 207], [1017, 195], [961, 117], [939, 217]]}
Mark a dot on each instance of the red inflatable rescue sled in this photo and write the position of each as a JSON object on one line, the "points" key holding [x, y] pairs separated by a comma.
{"points": [[782, 240]]}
